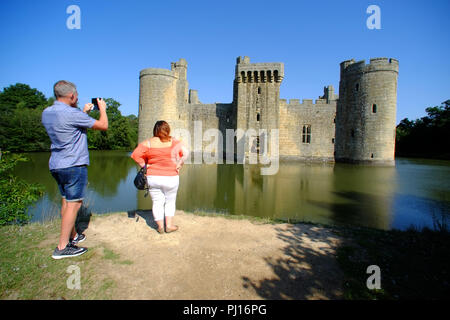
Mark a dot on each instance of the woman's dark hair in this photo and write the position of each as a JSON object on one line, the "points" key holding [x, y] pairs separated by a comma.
{"points": [[162, 130]]}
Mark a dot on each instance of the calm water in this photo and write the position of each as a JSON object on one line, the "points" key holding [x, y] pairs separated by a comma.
{"points": [[414, 192]]}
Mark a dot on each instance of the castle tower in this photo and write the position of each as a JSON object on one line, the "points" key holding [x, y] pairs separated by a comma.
{"points": [[163, 95], [256, 97], [366, 112]]}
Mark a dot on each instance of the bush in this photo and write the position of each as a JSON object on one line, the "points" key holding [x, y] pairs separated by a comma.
{"points": [[15, 194]]}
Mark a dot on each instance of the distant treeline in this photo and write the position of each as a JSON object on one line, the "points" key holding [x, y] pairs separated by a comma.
{"points": [[427, 137], [21, 129]]}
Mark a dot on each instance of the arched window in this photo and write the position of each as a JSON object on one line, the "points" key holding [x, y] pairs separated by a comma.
{"points": [[255, 75], [243, 76], [258, 117], [275, 75], [306, 133], [374, 108], [259, 90]]}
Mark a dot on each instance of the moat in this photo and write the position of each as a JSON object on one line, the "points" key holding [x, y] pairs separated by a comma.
{"points": [[414, 192]]}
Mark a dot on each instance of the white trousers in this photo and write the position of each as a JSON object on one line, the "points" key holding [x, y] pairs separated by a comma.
{"points": [[163, 191]]}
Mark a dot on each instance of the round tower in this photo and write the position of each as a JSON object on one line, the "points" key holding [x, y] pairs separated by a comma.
{"points": [[366, 112], [162, 96]]}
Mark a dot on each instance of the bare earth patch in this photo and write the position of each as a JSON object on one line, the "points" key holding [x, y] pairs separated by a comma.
{"points": [[215, 258]]}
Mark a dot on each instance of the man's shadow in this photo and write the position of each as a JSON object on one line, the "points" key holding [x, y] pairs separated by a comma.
{"points": [[147, 215], [83, 218]]}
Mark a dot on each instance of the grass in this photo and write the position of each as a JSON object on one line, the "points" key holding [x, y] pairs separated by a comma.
{"points": [[27, 270], [413, 264]]}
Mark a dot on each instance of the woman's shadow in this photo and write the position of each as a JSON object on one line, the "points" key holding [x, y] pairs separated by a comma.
{"points": [[84, 218], [147, 215]]}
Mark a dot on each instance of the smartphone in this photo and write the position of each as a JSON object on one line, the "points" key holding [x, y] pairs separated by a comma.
{"points": [[95, 103]]}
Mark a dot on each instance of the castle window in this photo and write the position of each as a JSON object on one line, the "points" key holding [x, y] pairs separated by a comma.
{"points": [[334, 120], [243, 76], [262, 76], [374, 108], [258, 117], [352, 133], [371, 155], [259, 90], [275, 75], [357, 87], [255, 75], [332, 140], [306, 134]]}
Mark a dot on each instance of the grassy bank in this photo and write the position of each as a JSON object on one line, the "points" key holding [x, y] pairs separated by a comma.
{"points": [[27, 270], [414, 264]]}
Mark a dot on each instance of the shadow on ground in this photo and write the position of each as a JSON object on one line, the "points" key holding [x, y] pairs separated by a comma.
{"points": [[307, 269], [147, 215], [83, 219]]}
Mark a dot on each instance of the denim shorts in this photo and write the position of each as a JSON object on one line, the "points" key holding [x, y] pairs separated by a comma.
{"points": [[72, 182]]}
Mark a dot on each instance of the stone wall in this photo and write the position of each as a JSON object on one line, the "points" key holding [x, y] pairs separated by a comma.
{"points": [[366, 111], [320, 117], [357, 127]]}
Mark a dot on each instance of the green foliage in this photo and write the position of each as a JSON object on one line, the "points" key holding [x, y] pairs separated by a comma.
{"points": [[121, 133], [15, 194], [427, 136], [20, 119], [23, 95], [21, 129]]}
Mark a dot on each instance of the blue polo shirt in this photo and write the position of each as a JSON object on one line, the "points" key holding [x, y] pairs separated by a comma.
{"points": [[67, 128]]}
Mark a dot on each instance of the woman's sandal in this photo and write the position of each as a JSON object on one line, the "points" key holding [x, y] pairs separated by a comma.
{"points": [[169, 230]]}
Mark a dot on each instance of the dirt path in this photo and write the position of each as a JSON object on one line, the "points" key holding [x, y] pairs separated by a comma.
{"points": [[217, 258]]}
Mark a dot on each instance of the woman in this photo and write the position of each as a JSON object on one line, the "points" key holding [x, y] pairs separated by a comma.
{"points": [[164, 156]]}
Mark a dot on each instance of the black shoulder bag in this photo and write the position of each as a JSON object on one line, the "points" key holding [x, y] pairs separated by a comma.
{"points": [[140, 181]]}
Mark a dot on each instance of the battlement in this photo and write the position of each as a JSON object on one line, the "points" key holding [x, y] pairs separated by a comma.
{"points": [[306, 102], [158, 72], [182, 63], [258, 72], [243, 60], [375, 64]]}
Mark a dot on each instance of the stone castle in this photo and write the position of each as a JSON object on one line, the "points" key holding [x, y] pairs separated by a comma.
{"points": [[356, 126]]}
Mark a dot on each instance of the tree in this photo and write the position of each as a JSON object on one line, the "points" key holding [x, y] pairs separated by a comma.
{"points": [[427, 136], [20, 119], [21, 128], [22, 94], [15, 194]]}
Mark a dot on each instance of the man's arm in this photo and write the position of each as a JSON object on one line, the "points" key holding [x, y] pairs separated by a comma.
{"points": [[102, 122]]}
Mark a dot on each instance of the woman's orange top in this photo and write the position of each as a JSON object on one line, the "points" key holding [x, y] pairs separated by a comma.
{"points": [[160, 161]]}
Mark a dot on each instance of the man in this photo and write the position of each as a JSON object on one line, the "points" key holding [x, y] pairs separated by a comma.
{"points": [[67, 126]]}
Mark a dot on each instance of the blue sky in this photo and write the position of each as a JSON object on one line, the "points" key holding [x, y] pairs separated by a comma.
{"points": [[117, 39]]}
